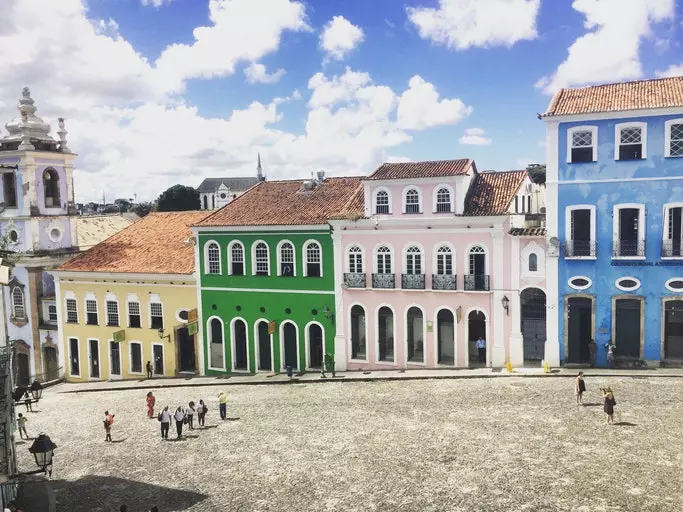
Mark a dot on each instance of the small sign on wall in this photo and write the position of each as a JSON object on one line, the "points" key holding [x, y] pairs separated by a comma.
{"points": [[120, 336], [271, 327], [430, 326], [192, 328]]}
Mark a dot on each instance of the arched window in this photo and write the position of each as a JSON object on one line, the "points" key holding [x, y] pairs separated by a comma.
{"points": [[51, 188], [216, 345], [358, 332], [236, 259], [385, 334], [413, 260], [313, 260], [18, 307], [443, 200], [533, 262], [286, 259], [477, 279], [261, 259], [415, 338], [213, 258], [355, 260], [382, 202], [444, 261], [384, 260], [412, 201]]}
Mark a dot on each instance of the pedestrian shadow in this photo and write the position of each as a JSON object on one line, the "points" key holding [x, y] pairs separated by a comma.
{"points": [[191, 436], [176, 439], [232, 419], [625, 424], [206, 427], [118, 440], [595, 404]]}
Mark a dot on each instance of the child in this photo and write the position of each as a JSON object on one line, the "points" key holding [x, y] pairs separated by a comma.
{"points": [[108, 421], [579, 388], [21, 421], [201, 413], [610, 402]]}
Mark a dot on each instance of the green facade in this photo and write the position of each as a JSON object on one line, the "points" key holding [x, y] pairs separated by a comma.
{"points": [[243, 302]]}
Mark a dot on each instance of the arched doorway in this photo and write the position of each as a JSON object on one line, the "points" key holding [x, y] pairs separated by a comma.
{"points": [[290, 342], [23, 371], [216, 343], [533, 326], [673, 330], [185, 349], [445, 332], [239, 336], [415, 335], [315, 346], [265, 361], [50, 363], [476, 328]]}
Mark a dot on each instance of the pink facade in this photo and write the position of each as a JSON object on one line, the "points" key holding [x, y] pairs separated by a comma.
{"points": [[420, 284]]}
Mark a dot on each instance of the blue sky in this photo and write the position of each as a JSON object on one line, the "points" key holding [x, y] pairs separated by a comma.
{"points": [[151, 101]]}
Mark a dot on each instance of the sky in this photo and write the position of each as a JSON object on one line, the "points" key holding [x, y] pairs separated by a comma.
{"points": [[159, 92]]}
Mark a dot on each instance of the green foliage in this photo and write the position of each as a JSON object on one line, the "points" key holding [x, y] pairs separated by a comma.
{"points": [[536, 173], [9, 256], [329, 362], [123, 204], [142, 209], [178, 198]]}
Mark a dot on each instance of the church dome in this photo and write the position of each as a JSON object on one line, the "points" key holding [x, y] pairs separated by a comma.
{"points": [[37, 128]]}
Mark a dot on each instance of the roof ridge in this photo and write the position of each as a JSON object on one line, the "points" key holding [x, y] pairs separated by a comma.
{"points": [[627, 82]]}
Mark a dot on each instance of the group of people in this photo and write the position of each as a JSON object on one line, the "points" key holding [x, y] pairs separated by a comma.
{"points": [[184, 416], [607, 394]]}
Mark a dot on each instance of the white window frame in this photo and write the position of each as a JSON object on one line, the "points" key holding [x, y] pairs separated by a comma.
{"points": [[435, 258], [230, 247], [130, 358], [404, 195], [133, 298], [570, 140], [451, 193], [574, 287], [233, 341], [466, 270], [155, 299], [253, 256], [207, 268], [568, 227], [361, 252], [667, 137], [665, 230], [374, 200], [642, 231], [91, 296], [422, 258], [110, 297], [279, 256], [625, 289], [391, 253], [14, 305], [304, 257], [668, 284], [643, 137], [68, 356], [67, 297]]}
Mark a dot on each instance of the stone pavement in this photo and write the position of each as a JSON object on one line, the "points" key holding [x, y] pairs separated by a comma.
{"points": [[357, 376]]}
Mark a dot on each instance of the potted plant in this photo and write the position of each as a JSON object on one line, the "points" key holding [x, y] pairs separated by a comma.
{"points": [[329, 364]]}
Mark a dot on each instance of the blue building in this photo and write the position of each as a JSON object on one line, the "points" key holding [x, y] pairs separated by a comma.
{"points": [[615, 222]]}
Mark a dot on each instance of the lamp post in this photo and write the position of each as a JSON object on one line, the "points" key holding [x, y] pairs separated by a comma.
{"points": [[162, 336], [506, 304], [43, 450], [36, 390]]}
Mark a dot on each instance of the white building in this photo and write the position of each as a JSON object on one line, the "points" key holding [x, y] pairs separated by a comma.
{"points": [[215, 193]]}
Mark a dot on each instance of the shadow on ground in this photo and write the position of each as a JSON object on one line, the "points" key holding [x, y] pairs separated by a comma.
{"points": [[105, 493]]}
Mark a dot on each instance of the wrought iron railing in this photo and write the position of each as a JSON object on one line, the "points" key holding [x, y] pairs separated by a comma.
{"points": [[626, 248], [413, 281], [672, 248], [579, 248], [383, 281], [444, 282], [477, 282], [354, 280], [8, 493]]}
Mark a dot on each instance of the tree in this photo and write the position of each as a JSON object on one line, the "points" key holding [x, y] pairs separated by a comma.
{"points": [[536, 173], [142, 209], [123, 204], [178, 198]]}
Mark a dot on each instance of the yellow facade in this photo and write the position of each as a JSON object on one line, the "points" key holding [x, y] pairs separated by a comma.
{"points": [[86, 341]]}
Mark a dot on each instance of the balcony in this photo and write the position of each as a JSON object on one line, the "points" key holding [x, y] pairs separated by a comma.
{"points": [[413, 281], [384, 281], [354, 280], [444, 282], [628, 249], [477, 282], [672, 248], [580, 249]]}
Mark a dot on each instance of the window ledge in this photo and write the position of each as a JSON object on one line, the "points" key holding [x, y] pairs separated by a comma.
{"points": [[626, 258], [587, 258], [417, 363], [386, 363], [412, 213], [579, 163], [630, 160], [673, 156], [437, 213], [358, 360], [672, 258]]}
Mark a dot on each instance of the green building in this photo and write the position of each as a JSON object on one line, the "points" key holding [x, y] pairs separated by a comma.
{"points": [[266, 275]]}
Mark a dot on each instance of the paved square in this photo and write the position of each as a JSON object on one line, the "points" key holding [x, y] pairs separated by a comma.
{"points": [[459, 445]]}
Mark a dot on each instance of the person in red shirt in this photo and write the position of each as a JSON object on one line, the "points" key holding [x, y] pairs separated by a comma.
{"points": [[151, 401], [108, 422]]}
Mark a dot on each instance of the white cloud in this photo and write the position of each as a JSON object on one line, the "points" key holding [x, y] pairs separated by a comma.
{"points": [[420, 108], [609, 52], [339, 37], [461, 24], [673, 70], [475, 137], [155, 3], [256, 74]]}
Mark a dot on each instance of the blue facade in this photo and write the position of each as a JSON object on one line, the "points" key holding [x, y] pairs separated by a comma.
{"points": [[635, 242]]}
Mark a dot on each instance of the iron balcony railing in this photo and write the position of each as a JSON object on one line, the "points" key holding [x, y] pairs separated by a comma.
{"points": [[354, 280], [383, 281], [477, 282], [579, 248], [626, 248], [672, 248], [444, 282], [413, 281]]}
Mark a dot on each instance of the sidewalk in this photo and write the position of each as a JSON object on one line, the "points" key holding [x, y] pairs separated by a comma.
{"points": [[357, 376]]}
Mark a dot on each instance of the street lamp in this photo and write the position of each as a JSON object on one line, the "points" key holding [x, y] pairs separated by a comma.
{"points": [[162, 336], [506, 304], [36, 390], [43, 450]]}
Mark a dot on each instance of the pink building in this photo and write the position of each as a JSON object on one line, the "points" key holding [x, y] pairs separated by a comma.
{"points": [[443, 255]]}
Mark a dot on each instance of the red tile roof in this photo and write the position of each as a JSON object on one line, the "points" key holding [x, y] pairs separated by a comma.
{"points": [[281, 203], [642, 94], [153, 245], [527, 231], [434, 169], [492, 192]]}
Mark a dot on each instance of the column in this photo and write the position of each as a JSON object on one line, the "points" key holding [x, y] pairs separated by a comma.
{"points": [[340, 355], [199, 341], [552, 344], [497, 347], [516, 351]]}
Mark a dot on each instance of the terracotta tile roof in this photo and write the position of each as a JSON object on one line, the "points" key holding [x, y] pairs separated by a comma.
{"points": [[281, 203], [433, 169], [153, 245], [491, 192], [92, 229], [527, 231], [642, 94]]}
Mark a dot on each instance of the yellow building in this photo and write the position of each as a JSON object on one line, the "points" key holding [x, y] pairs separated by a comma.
{"points": [[129, 300]]}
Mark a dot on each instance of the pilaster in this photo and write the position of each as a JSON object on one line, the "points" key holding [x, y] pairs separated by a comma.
{"points": [[496, 356], [199, 342], [61, 346], [552, 344], [516, 350], [33, 290], [340, 353]]}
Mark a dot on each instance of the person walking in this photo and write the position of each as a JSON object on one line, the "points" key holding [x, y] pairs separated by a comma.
{"points": [[190, 415], [579, 388], [149, 369], [179, 417], [165, 419], [610, 402], [108, 422], [201, 413], [481, 349], [21, 422], [151, 401], [222, 404], [610, 355]]}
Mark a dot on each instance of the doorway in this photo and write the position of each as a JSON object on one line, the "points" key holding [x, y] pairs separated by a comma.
{"points": [[158, 355], [290, 345], [186, 351], [673, 330], [628, 232], [239, 336], [265, 361], [533, 323], [445, 332], [23, 370], [627, 327], [94, 359], [50, 363], [315, 346], [476, 328], [579, 329], [114, 359]]}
